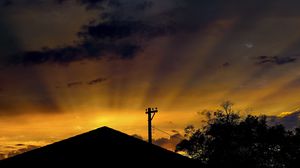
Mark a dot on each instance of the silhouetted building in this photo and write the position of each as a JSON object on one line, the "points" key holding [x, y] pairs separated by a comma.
{"points": [[103, 146]]}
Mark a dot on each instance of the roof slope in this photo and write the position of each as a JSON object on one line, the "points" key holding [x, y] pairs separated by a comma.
{"points": [[103, 145]]}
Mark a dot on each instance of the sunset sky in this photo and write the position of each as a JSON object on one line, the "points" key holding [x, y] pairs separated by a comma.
{"points": [[69, 66]]}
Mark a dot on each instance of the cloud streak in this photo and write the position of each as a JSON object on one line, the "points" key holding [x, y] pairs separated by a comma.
{"points": [[96, 81], [72, 84], [80, 83], [276, 60]]}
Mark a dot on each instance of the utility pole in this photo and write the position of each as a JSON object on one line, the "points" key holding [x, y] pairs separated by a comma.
{"points": [[150, 111]]}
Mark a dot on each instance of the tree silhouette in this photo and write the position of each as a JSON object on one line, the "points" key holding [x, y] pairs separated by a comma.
{"points": [[229, 140]]}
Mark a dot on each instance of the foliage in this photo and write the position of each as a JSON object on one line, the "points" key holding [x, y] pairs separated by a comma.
{"points": [[229, 140]]}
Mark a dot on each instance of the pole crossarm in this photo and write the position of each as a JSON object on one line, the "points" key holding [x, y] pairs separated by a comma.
{"points": [[151, 110]]}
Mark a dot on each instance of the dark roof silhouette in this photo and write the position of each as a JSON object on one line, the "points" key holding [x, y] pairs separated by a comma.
{"points": [[101, 146]]}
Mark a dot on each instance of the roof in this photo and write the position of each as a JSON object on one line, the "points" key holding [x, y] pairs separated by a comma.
{"points": [[98, 146]]}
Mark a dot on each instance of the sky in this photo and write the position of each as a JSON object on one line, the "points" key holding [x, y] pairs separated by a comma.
{"points": [[69, 66]]}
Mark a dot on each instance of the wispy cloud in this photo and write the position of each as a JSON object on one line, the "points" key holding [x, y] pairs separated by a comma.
{"points": [[82, 83], [72, 84], [96, 81], [277, 60]]}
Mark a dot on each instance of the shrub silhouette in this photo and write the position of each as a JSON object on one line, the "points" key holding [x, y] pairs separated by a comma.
{"points": [[229, 140]]}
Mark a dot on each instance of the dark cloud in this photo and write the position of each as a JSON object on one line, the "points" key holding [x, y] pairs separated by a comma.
{"points": [[123, 28], [290, 121], [86, 50], [277, 60], [100, 4], [115, 33], [80, 83], [144, 5], [226, 64], [72, 84], [170, 143], [96, 81], [61, 55]]}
